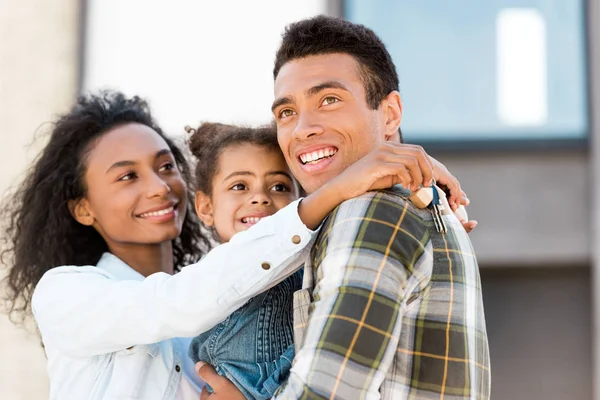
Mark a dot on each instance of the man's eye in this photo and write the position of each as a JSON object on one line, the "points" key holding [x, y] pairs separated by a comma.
{"points": [[286, 113], [238, 186], [280, 187], [329, 100]]}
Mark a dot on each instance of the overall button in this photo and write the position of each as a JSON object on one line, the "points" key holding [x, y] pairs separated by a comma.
{"points": [[266, 266], [177, 368], [296, 239]]}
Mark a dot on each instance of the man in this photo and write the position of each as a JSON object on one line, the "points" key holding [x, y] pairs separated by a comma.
{"points": [[395, 306]]}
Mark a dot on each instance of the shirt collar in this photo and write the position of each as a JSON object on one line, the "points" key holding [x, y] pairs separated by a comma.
{"points": [[116, 267], [399, 189]]}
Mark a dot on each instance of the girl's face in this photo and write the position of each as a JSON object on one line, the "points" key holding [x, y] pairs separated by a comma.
{"points": [[135, 193], [252, 182]]}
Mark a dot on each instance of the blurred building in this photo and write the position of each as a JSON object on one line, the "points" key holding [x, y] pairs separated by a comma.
{"points": [[502, 91]]}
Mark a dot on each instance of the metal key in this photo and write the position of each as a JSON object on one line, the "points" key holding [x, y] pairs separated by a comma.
{"points": [[437, 210]]}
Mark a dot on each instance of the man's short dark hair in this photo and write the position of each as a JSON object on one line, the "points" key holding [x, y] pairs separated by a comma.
{"points": [[327, 35]]}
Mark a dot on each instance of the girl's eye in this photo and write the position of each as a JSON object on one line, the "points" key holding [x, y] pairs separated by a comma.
{"points": [[286, 112], [166, 167], [280, 187], [127, 177], [329, 100], [238, 186]]}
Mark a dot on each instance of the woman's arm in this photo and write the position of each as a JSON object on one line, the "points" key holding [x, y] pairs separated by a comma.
{"points": [[389, 164], [84, 311]]}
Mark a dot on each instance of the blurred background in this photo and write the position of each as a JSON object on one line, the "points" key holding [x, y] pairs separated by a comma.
{"points": [[501, 91]]}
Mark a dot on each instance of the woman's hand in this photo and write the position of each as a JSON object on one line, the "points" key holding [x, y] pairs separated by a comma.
{"points": [[389, 164], [449, 184], [222, 387]]}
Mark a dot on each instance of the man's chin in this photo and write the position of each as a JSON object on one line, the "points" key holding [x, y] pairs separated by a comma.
{"points": [[312, 183]]}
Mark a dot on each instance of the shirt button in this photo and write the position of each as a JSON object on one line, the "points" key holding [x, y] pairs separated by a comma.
{"points": [[177, 368], [266, 266], [296, 239]]}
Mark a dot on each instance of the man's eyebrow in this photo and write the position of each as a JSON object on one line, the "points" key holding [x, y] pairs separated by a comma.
{"points": [[236, 173], [128, 163], [325, 85], [282, 101]]}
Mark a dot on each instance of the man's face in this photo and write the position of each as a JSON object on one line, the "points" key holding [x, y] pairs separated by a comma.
{"points": [[324, 123]]}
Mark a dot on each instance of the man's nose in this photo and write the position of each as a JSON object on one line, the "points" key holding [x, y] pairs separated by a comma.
{"points": [[308, 126]]}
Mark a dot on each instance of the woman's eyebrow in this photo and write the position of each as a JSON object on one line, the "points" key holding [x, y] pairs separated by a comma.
{"points": [[129, 163]]}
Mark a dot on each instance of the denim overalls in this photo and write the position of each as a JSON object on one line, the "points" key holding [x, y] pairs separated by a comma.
{"points": [[254, 346]]}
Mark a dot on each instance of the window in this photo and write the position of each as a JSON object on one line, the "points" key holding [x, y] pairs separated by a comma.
{"points": [[485, 70]]}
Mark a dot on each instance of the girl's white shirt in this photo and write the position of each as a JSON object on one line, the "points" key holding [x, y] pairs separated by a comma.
{"points": [[110, 333]]}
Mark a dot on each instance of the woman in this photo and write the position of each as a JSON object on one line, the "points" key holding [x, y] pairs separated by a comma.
{"points": [[99, 226]]}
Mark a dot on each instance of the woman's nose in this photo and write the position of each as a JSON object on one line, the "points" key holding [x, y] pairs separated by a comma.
{"points": [[157, 187]]}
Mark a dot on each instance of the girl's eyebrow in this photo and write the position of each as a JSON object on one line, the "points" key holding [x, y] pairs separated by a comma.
{"points": [[240, 173], [280, 173], [249, 173]]}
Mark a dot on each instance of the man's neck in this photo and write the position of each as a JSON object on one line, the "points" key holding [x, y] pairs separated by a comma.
{"points": [[146, 259]]}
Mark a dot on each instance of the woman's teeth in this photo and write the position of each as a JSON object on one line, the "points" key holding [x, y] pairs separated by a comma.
{"points": [[157, 213], [316, 156], [251, 220]]}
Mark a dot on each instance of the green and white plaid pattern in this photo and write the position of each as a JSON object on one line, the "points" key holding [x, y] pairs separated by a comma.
{"points": [[396, 309]]}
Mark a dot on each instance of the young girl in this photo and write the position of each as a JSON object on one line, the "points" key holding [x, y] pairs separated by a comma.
{"points": [[242, 177], [94, 236]]}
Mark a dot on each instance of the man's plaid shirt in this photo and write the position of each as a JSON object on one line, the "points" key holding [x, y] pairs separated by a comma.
{"points": [[395, 310]]}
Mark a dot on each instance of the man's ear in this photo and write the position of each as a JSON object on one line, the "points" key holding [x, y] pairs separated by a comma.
{"points": [[392, 108], [204, 208], [80, 210]]}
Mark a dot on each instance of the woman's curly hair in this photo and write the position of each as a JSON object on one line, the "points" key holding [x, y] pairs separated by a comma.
{"points": [[39, 232]]}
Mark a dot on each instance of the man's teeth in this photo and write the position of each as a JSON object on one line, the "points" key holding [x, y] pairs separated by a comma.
{"points": [[158, 213], [250, 220], [315, 156]]}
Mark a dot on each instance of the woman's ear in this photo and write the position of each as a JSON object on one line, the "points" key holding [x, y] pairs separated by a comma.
{"points": [[80, 210], [204, 208], [393, 114]]}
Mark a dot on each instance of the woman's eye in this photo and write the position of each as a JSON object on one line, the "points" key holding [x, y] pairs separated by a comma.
{"points": [[286, 113], [167, 167], [329, 100], [238, 186], [127, 177], [280, 187]]}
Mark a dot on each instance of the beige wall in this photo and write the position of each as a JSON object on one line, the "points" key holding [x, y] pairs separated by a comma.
{"points": [[38, 78]]}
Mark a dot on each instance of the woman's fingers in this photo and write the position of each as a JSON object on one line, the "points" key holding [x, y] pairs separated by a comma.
{"points": [[469, 225], [426, 166], [405, 167], [445, 178]]}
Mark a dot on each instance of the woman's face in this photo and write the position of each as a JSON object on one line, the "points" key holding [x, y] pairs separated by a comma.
{"points": [[135, 193]]}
